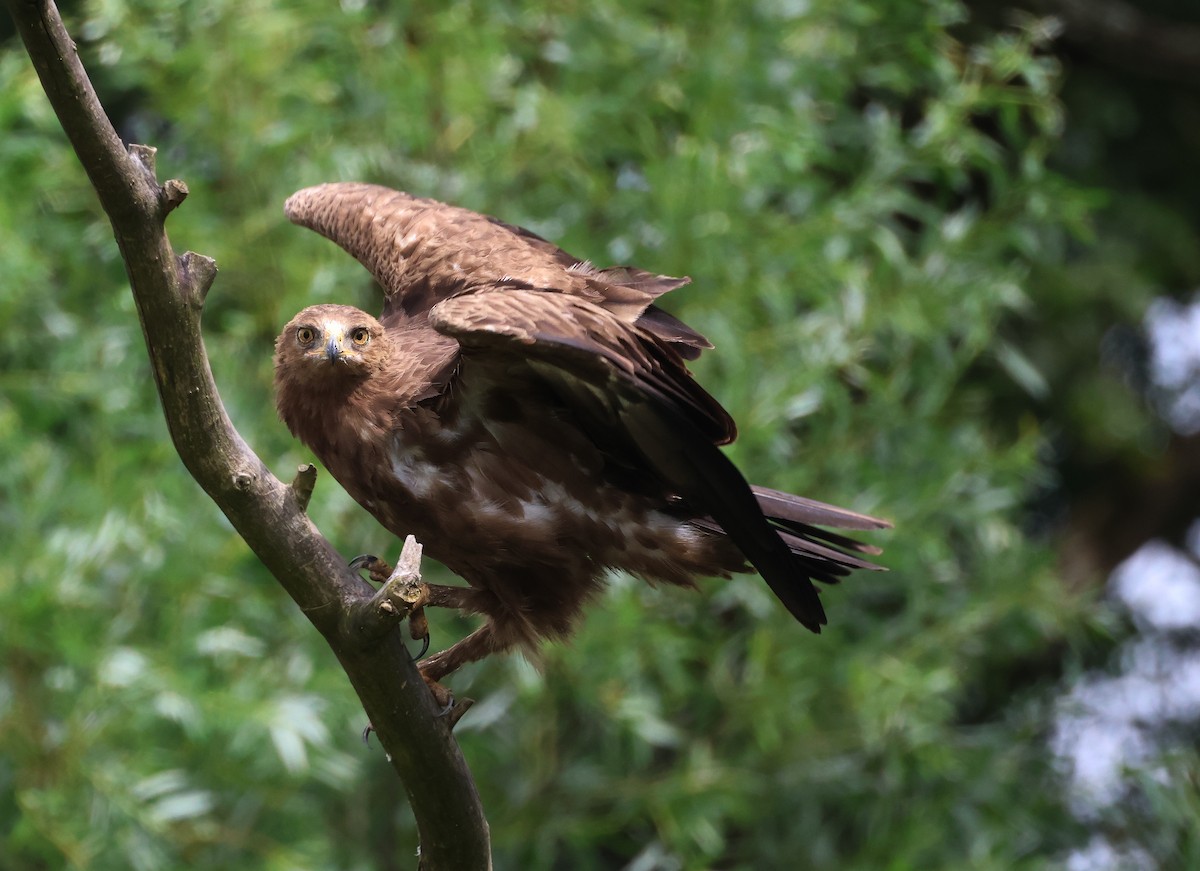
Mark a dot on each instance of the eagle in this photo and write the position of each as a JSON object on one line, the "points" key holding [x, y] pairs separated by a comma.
{"points": [[531, 419]]}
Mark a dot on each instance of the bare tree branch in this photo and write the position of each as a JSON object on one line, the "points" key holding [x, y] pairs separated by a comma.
{"points": [[303, 484], [169, 292]]}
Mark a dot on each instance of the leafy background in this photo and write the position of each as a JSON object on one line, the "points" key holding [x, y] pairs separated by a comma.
{"points": [[923, 237]]}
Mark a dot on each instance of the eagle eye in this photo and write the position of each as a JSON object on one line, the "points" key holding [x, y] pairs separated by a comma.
{"points": [[360, 335], [306, 335]]}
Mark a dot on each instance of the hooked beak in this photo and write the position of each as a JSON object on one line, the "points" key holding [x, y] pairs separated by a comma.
{"points": [[333, 349]]}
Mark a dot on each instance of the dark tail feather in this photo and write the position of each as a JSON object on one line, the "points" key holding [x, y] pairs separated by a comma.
{"points": [[825, 556], [808, 549], [706, 477], [817, 553], [775, 531], [785, 507]]}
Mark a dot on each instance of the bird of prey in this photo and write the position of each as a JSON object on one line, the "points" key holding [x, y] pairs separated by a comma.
{"points": [[531, 420]]}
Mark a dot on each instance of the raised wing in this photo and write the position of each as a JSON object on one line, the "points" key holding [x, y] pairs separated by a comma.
{"points": [[624, 378], [423, 252]]}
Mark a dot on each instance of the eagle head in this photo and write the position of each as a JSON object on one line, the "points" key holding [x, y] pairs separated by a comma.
{"points": [[330, 342]]}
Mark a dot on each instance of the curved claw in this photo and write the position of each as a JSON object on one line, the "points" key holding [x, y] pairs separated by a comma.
{"points": [[418, 629], [366, 736], [454, 711], [378, 570], [424, 648]]}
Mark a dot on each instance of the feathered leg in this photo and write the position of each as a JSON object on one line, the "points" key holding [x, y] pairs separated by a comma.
{"points": [[475, 646], [479, 644]]}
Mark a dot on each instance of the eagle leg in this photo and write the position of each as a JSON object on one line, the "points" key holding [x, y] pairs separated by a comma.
{"points": [[438, 596], [480, 643], [475, 646]]}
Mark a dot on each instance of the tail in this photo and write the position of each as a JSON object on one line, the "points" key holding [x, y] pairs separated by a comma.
{"points": [[816, 554], [780, 534], [821, 554]]}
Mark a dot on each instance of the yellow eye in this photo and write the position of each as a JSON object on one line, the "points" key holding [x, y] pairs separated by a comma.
{"points": [[305, 335], [360, 335]]}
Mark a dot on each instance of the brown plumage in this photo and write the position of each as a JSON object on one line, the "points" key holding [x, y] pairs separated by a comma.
{"points": [[530, 419]]}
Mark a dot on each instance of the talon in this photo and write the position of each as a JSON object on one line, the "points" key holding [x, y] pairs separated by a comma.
{"points": [[424, 648], [441, 696], [454, 711], [366, 736], [376, 569], [418, 625]]}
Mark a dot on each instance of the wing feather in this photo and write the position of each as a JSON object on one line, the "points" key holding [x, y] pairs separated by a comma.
{"points": [[422, 252], [585, 341]]}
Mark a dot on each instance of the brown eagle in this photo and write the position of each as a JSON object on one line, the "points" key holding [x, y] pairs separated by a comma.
{"points": [[530, 419]]}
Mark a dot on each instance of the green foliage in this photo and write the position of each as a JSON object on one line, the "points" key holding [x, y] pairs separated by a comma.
{"points": [[864, 205]]}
